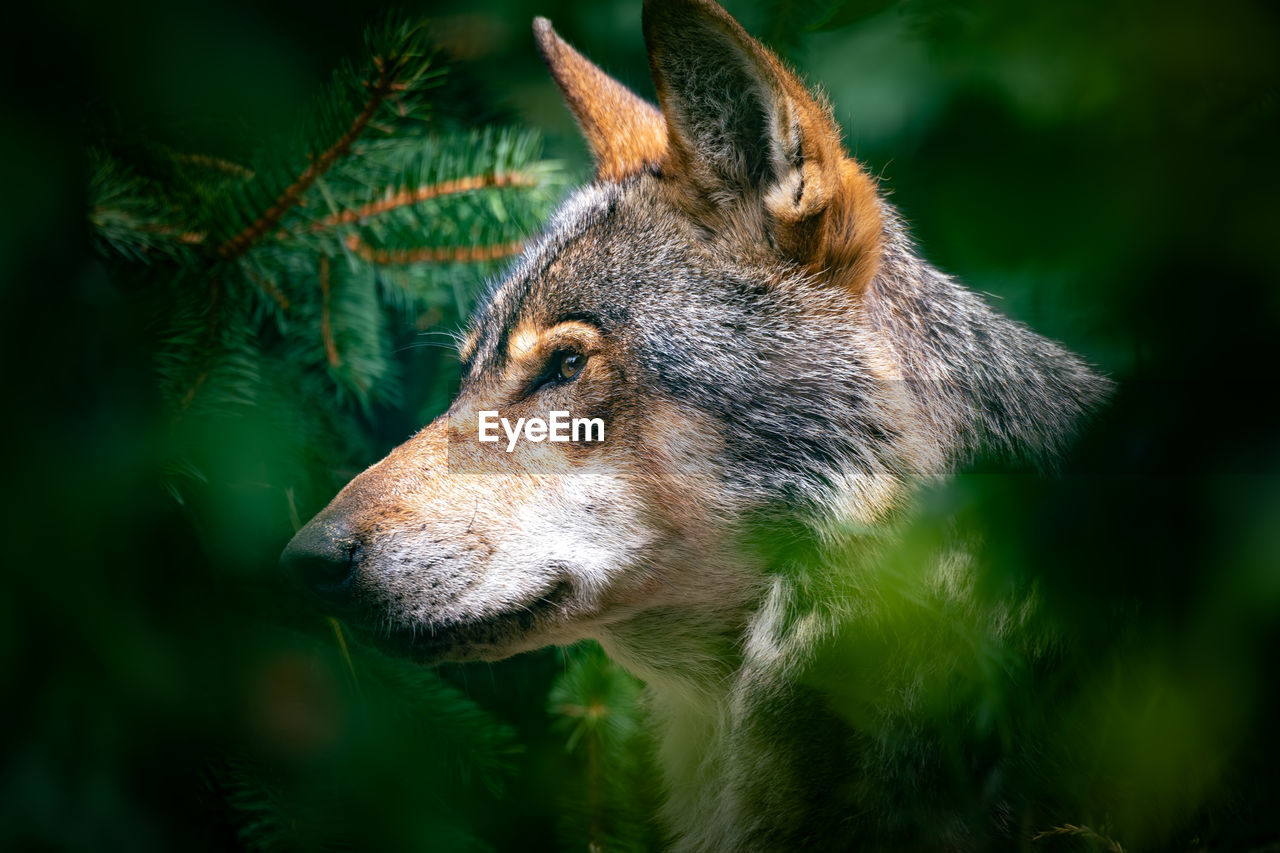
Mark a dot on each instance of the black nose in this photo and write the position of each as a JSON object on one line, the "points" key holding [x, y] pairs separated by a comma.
{"points": [[321, 559]]}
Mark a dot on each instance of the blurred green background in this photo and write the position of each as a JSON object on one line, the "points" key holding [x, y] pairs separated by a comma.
{"points": [[1105, 172]]}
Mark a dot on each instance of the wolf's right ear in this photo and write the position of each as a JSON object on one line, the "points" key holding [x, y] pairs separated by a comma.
{"points": [[625, 132]]}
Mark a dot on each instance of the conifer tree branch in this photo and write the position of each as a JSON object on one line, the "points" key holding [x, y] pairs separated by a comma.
{"points": [[1073, 830], [407, 197], [216, 164], [379, 91], [432, 254], [326, 322], [101, 213], [277, 295]]}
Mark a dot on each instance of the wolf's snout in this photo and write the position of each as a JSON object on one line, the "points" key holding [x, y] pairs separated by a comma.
{"points": [[320, 559]]}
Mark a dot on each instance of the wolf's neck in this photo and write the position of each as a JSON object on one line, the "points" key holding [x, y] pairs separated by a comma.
{"points": [[715, 680], [687, 652]]}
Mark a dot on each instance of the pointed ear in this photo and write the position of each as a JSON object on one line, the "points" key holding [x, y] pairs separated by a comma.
{"points": [[626, 133], [746, 136]]}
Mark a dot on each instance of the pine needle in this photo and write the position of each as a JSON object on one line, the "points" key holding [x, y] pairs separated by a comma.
{"points": [[346, 653]]}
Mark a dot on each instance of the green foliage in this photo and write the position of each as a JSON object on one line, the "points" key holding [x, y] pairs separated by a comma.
{"points": [[345, 726], [605, 807], [275, 286]]}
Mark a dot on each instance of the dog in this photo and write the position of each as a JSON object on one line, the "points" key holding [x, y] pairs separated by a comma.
{"points": [[775, 371]]}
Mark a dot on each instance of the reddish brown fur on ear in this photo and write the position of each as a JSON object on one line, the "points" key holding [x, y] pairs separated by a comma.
{"points": [[715, 82], [626, 133]]}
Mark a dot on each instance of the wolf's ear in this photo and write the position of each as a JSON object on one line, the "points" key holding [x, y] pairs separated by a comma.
{"points": [[744, 133], [626, 133]]}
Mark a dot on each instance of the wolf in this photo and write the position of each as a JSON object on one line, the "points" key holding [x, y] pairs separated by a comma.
{"points": [[777, 370]]}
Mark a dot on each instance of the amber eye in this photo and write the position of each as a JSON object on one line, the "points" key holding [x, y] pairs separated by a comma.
{"points": [[570, 365]]}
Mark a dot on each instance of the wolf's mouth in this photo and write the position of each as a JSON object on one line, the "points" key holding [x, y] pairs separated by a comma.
{"points": [[480, 638]]}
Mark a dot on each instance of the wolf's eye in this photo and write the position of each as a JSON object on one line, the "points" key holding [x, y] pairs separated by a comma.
{"points": [[569, 365]]}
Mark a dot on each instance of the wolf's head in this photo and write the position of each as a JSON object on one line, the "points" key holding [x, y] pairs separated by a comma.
{"points": [[736, 303]]}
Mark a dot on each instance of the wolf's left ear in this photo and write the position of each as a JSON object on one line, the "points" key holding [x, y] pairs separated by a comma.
{"points": [[744, 130], [625, 132]]}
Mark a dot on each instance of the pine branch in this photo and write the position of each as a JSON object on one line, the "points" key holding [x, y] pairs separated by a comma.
{"points": [[326, 321], [98, 216], [277, 295], [132, 216], [406, 197], [1071, 830], [594, 703], [216, 164], [433, 254], [386, 83]]}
